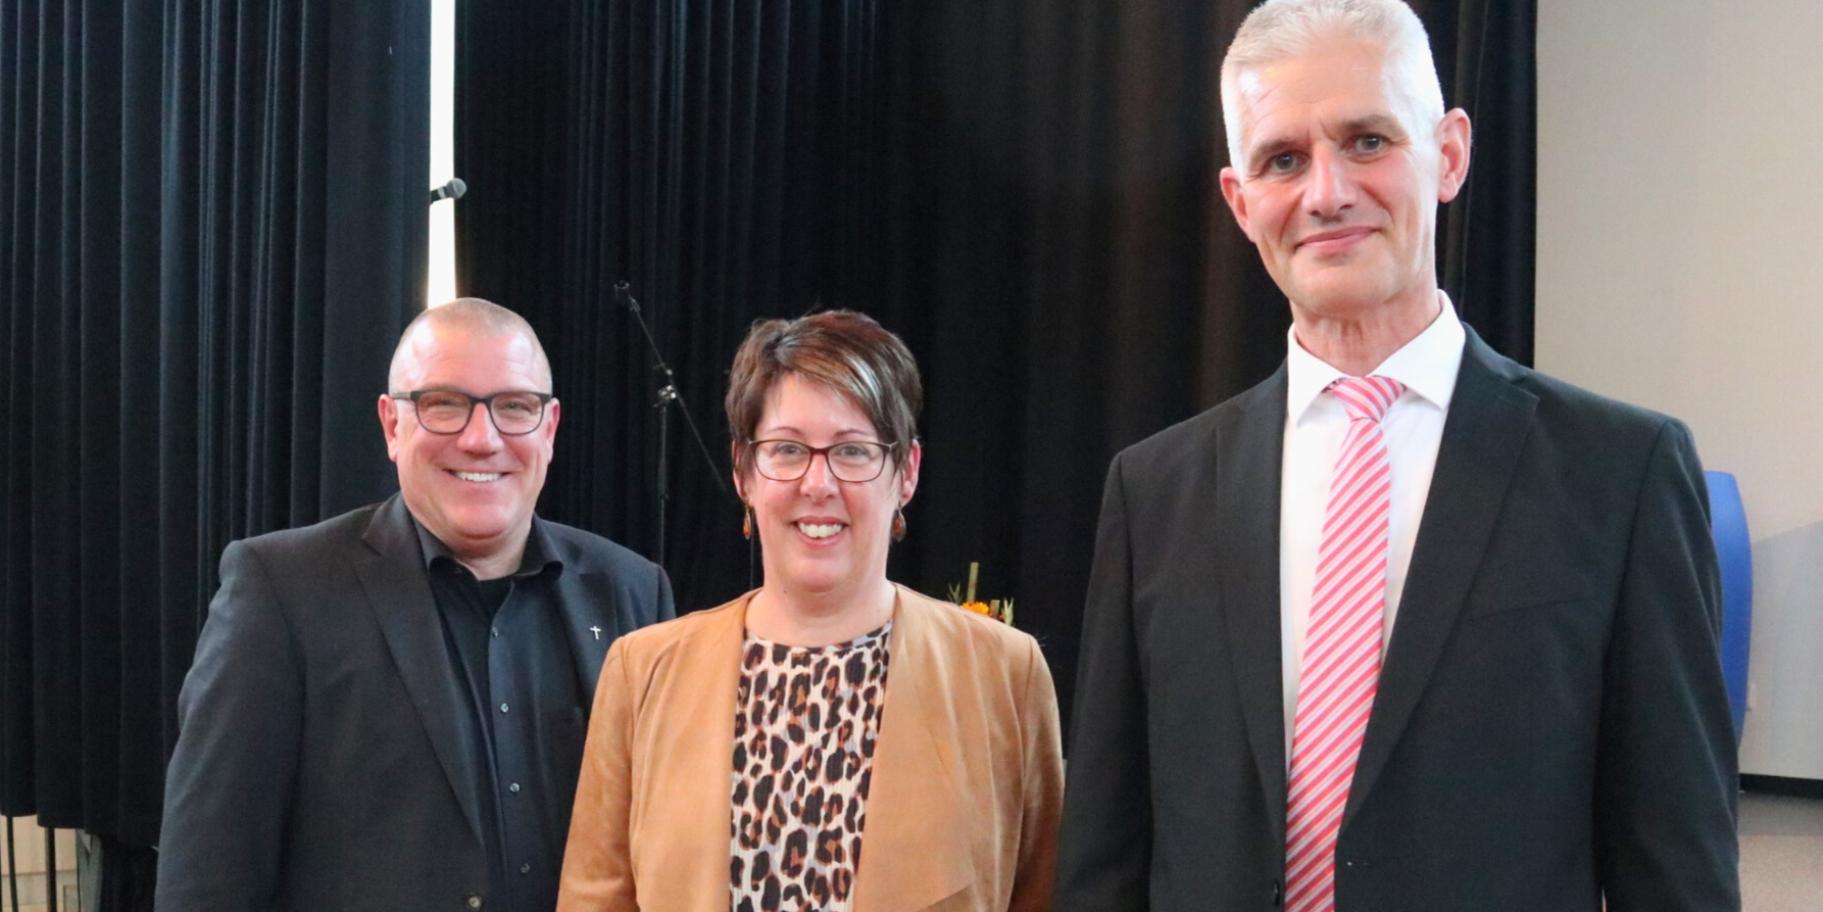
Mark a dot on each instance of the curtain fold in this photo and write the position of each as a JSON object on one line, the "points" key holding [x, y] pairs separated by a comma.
{"points": [[1025, 191], [212, 223]]}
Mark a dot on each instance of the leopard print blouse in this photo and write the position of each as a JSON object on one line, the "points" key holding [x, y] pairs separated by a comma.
{"points": [[806, 718]]}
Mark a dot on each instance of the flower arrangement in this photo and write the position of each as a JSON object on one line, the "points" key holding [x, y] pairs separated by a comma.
{"points": [[998, 609]]}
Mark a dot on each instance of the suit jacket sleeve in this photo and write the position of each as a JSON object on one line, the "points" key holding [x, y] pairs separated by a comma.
{"points": [[239, 722], [1666, 776], [597, 861], [1043, 785], [1106, 844]]}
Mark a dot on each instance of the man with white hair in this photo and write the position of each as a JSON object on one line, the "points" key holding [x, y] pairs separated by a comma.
{"points": [[387, 709], [1407, 626]]}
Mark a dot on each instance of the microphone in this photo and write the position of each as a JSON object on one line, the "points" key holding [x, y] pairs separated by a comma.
{"points": [[450, 191], [623, 295]]}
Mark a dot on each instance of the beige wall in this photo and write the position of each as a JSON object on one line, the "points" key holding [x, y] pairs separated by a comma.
{"points": [[33, 884], [1680, 266]]}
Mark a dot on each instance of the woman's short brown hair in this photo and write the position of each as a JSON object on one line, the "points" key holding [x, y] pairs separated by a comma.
{"points": [[846, 351]]}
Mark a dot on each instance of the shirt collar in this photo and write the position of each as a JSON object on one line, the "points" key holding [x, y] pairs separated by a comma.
{"points": [[1427, 365], [533, 562]]}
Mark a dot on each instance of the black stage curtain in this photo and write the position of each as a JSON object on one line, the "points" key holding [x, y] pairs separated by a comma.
{"points": [[212, 228], [710, 158], [1025, 191]]}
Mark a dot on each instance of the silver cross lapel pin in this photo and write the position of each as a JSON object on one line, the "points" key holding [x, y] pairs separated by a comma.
{"points": [[597, 632]]}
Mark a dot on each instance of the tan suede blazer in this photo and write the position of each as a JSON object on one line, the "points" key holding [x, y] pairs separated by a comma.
{"points": [[967, 777]]}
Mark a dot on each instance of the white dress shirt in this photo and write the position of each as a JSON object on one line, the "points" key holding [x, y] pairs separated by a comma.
{"points": [[1315, 425]]}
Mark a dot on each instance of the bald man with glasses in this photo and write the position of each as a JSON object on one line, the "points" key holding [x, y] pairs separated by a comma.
{"points": [[387, 709]]}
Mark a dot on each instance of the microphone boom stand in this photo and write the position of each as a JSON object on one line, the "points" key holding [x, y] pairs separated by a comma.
{"points": [[667, 397]]}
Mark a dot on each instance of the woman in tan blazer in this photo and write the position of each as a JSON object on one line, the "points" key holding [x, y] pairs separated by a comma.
{"points": [[831, 740]]}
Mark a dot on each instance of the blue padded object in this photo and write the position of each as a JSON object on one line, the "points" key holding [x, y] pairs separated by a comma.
{"points": [[1728, 523]]}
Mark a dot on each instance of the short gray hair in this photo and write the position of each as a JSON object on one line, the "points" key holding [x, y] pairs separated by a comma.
{"points": [[476, 314], [1279, 29]]}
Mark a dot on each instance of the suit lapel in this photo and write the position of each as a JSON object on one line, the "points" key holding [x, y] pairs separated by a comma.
{"points": [[392, 573], [1249, 447], [586, 600], [915, 848], [1488, 421], [689, 766]]}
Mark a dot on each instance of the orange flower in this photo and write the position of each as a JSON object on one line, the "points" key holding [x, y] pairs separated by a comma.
{"points": [[977, 607]]}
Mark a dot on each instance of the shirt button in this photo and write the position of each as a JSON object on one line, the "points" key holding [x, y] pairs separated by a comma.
{"points": [[503, 707], [474, 902], [494, 632], [514, 788], [525, 868]]}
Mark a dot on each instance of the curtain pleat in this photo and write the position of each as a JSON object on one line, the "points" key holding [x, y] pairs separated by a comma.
{"points": [[190, 352]]}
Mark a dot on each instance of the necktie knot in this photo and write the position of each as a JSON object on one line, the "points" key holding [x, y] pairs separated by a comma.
{"points": [[1367, 398]]}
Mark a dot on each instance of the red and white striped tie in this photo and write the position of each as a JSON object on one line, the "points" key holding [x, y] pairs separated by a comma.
{"points": [[1341, 666]]}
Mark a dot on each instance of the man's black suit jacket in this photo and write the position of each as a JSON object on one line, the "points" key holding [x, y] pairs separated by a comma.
{"points": [[1550, 724], [324, 756]]}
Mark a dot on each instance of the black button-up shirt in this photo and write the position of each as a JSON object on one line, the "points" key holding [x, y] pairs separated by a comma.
{"points": [[506, 639]]}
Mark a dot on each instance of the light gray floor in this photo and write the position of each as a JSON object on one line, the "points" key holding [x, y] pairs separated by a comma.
{"points": [[1781, 853]]}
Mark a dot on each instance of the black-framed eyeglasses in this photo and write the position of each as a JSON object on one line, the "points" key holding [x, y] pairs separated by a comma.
{"points": [[445, 411], [853, 461]]}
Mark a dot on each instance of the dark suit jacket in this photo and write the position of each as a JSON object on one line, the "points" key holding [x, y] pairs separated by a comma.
{"points": [[1550, 723], [324, 756]]}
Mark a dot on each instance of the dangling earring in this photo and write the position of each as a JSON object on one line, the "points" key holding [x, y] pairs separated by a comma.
{"points": [[747, 523], [898, 530]]}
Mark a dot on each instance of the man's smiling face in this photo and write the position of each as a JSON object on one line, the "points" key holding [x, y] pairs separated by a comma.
{"points": [[474, 490], [1340, 177]]}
